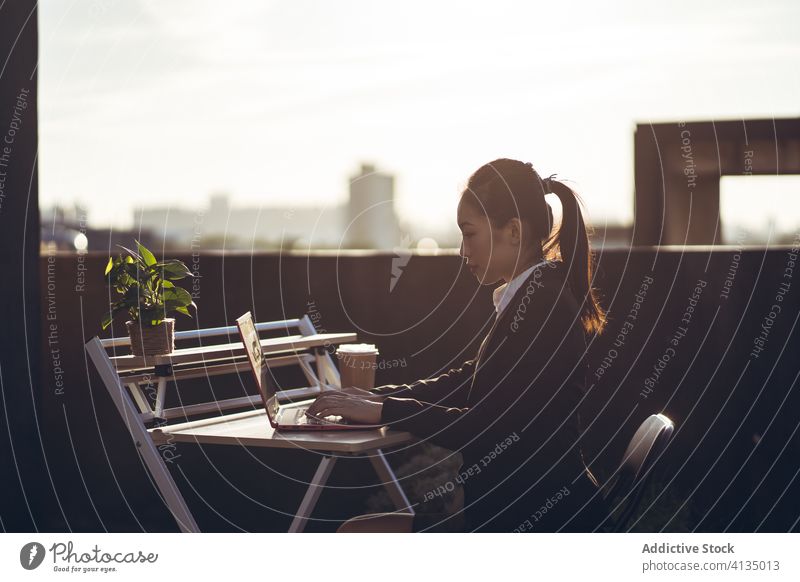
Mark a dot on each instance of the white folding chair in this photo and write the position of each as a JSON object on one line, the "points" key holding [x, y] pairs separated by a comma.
{"points": [[127, 379]]}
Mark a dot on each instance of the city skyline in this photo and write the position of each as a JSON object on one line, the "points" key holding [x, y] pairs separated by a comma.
{"points": [[146, 104]]}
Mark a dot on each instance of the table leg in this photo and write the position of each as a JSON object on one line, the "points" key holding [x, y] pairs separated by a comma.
{"points": [[389, 480], [160, 394], [312, 494]]}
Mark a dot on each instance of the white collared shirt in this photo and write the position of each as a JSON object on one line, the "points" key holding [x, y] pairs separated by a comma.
{"points": [[505, 292]]}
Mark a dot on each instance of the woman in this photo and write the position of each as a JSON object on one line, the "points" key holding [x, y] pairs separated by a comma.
{"points": [[512, 411]]}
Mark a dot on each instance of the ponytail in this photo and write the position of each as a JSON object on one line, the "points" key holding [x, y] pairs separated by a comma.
{"points": [[572, 242], [506, 188]]}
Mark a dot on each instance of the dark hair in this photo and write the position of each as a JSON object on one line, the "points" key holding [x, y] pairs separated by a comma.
{"points": [[505, 188]]}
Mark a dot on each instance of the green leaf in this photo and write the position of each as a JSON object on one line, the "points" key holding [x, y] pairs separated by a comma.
{"points": [[170, 307], [132, 298], [175, 269], [149, 258], [177, 299], [133, 254], [115, 308], [151, 317], [183, 295], [109, 266]]}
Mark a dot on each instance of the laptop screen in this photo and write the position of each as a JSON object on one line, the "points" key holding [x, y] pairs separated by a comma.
{"points": [[262, 374]]}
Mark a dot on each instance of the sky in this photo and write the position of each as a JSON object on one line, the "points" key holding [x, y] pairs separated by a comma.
{"points": [[154, 103]]}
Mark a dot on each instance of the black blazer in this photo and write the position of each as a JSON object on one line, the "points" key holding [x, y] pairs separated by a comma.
{"points": [[512, 412]]}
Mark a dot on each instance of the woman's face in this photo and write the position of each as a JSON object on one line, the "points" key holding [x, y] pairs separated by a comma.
{"points": [[491, 253]]}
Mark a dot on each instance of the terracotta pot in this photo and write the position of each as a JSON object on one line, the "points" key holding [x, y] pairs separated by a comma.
{"points": [[152, 341]]}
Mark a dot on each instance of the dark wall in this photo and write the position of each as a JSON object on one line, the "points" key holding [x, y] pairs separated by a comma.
{"points": [[24, 502], [734, 457]]}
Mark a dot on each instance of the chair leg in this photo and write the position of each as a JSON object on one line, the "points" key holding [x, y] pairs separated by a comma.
{"points": [[389, 481], [141, 438], [312, 494]]}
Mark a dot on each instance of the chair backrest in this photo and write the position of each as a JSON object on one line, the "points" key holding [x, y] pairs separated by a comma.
{"points": [[628, 483]]}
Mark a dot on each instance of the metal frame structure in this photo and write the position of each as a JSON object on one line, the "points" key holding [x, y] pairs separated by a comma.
{"points": [[125, 375]]}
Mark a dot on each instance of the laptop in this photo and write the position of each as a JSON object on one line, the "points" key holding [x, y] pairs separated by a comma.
{"points": [[284, 416]]}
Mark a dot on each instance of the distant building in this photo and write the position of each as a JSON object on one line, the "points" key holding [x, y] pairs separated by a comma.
{"points": [[368, 221], [66, 229], [372, 222], [221, 225], [63, 228], [171, 226], [611, 236]]}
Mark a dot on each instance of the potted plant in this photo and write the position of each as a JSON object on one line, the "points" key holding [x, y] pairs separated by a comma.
{"points": [[148, 295]]}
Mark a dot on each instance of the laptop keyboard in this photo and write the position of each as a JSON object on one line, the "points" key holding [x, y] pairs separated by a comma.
{"points": [[301, 418]]}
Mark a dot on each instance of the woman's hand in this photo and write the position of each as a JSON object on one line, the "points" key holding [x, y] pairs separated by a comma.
{"points": [[348, 406]]}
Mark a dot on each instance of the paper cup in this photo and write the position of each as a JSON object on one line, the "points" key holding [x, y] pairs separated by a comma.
{"points": [[357, 365]]}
